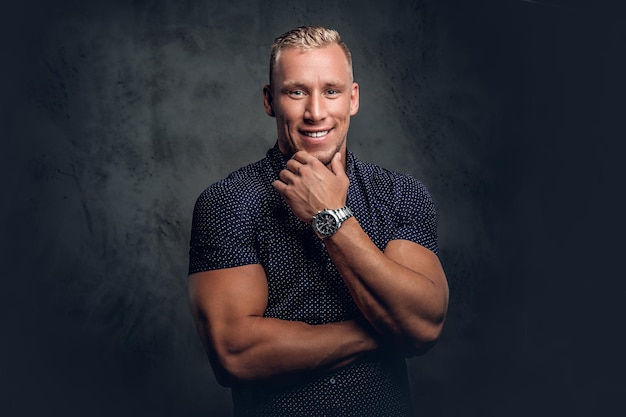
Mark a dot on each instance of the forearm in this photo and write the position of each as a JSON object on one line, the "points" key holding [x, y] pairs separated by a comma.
{"points": [[405, 304], [259, 348], [243, 345]]}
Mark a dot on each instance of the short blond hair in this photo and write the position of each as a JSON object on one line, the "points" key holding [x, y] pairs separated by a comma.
{"points": [[307, 38]]}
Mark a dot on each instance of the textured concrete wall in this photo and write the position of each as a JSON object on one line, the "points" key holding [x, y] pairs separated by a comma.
{"points": [[116, 115]]}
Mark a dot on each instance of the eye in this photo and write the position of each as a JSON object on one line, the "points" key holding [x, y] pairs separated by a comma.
{"points": [[296, 93], [332, 92]]}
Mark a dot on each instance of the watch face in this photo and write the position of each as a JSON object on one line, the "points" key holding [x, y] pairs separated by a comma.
{"points": [[325, 224]]}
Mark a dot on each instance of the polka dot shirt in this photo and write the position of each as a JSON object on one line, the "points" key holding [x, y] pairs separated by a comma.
{"points": [[242, 220]]}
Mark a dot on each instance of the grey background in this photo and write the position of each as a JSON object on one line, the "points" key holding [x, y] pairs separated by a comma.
{"points": [[116, 115]]}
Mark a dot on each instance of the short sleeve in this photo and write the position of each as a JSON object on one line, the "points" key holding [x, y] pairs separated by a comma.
{"points": [[416, 218], [222, 231]]}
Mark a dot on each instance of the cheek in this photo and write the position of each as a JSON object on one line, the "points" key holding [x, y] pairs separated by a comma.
{"points": [[288, 109], [344, 109]]}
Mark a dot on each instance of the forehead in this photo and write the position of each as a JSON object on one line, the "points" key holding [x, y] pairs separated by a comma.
{"points": [[329, 62]]}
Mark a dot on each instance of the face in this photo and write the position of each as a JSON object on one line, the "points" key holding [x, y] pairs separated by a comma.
{"points": [[312, 99]]}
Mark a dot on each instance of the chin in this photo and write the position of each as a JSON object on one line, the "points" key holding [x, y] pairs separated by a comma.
{"points": [[324, 156], [322, 153]]}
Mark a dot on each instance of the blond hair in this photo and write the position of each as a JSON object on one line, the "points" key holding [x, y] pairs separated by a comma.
{"points": [[307, 38]]}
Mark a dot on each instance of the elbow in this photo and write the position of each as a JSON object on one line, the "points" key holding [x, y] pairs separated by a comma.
{"points": [[414, 335], [234, 370], [428, 329], [223, 365], [424, 337], [232, 366], [227, 369], [222, 375], [227, 358], [230, 357], [427, 339]]}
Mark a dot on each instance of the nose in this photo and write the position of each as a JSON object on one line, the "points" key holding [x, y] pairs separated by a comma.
{"points": [[315, 109]]}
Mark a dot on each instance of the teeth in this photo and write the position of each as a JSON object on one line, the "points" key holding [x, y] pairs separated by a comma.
{"points": [[316, 134]]}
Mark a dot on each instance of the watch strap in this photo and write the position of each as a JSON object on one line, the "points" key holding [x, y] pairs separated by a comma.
{"points": [[343, 214]]}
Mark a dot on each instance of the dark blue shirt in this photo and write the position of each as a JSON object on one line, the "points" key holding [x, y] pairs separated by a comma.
{"points": [[242, 220]]}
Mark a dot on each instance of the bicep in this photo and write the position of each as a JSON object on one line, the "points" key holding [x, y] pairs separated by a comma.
{"points": [[221, 297]]}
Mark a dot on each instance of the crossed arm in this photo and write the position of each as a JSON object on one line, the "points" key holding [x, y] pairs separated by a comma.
{"points": [[228, 306], [402, 292]]}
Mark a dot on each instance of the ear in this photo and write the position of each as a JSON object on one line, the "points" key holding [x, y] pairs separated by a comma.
{"points": [[268, 100], [354, 99]]}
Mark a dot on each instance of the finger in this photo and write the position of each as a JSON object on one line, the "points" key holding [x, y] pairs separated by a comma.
{"points": [[279, 186], [294, 166], [303, 157], [287, 177]]}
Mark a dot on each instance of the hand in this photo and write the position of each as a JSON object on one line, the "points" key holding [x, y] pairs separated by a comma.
{"points": [[308, 186]]}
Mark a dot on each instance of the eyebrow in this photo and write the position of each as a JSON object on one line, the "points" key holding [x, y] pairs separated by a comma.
{"points": [[288, 85], [297, 84]]}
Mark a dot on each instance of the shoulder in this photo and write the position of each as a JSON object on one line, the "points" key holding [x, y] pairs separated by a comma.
{"points": [[390, 184], [247, 186]]}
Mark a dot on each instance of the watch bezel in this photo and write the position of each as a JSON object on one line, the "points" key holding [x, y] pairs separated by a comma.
{"points": [[326, 229]]}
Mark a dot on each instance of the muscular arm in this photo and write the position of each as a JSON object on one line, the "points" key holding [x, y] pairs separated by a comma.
{"points": [[228, 306], [402, 291]]}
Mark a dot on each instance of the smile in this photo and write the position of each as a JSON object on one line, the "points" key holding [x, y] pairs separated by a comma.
{"points": [[316, 134]]}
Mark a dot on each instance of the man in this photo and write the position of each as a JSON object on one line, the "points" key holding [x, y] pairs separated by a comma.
{"points": [[312, 273]]}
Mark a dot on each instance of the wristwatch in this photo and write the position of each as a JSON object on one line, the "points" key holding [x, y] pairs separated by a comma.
{"points": [[327, 222]]}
